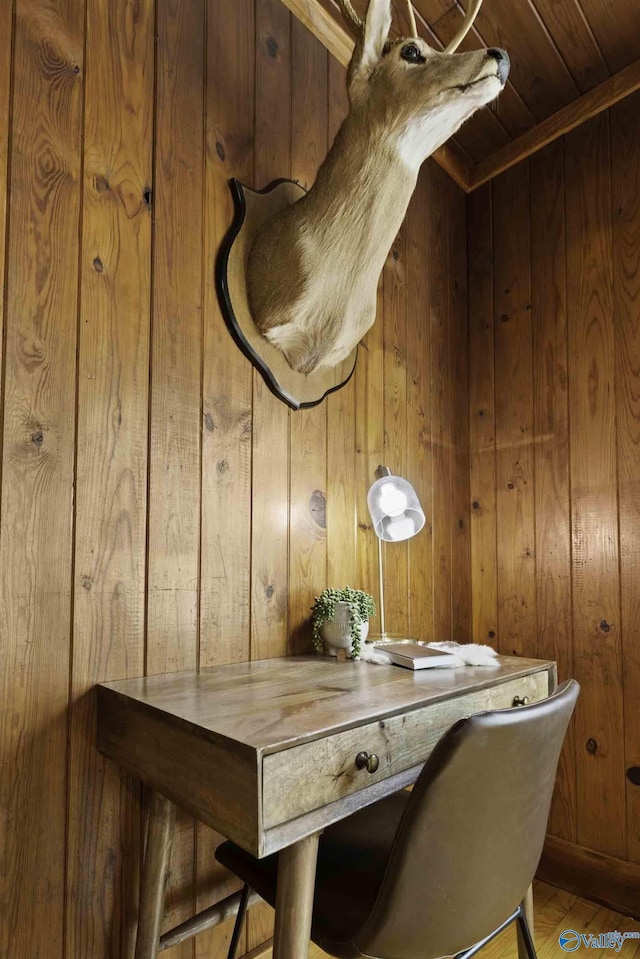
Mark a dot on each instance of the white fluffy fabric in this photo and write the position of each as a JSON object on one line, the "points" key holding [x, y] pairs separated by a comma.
{"points": [[368, 654], [466, 654]]}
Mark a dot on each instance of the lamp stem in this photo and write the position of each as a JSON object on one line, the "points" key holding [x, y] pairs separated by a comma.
{"points": [[383, 630]]}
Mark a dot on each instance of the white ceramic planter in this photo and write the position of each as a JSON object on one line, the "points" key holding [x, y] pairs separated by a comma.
{"points": [[337, 632]]}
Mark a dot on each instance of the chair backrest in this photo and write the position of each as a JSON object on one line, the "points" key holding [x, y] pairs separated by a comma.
{"points": [[470, 841]]}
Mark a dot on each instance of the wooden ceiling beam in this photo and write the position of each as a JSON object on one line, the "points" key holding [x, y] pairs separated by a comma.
{"points": [[331, 34], [586, 107]]}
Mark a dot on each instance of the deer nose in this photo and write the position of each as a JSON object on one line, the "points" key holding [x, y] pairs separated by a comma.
{"points": [[502, 59]]}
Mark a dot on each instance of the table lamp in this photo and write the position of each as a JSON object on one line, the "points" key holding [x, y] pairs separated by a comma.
{"points": [[396, 515]]}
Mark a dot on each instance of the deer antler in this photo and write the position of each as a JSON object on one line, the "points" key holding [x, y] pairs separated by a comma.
{"points": [[351, 16], [356, 23], [466, 26], [412, 19]]}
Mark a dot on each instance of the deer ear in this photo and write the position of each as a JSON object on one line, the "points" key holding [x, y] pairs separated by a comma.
{"points": [[370, 45]]}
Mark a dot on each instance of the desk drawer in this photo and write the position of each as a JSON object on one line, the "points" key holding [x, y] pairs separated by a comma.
{"points": [[298, 780]]}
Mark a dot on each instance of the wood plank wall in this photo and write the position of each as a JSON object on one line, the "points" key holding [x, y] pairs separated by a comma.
{"points": [[554, 265], [159, 507]]}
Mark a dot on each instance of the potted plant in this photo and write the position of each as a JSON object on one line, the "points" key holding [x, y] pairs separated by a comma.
{"points": [[341, 619]]}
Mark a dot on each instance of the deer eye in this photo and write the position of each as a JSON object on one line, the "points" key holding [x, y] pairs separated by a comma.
{"points": [[411, 53]]}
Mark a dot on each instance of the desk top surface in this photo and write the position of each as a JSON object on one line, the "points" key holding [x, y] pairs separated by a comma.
{"points": [[268, 705]]}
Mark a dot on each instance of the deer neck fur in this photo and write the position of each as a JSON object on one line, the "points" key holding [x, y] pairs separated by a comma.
{"points": [[319, 264], [375, 187]]}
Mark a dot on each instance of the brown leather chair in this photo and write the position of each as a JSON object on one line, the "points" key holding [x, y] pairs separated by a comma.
{"points": [[441, 870]]}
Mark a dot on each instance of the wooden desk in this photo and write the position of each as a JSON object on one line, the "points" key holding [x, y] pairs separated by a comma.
{"points": [[264, 752]]}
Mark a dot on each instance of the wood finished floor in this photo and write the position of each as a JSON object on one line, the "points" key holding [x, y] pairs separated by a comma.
{"points": [[556, 910]]}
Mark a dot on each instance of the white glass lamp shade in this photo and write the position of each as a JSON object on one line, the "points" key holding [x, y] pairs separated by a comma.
{"points": [[395, 509]]}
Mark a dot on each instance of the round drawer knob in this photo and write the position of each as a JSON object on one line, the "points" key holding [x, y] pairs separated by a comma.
{"points": [[520, 700], [368, 762]]}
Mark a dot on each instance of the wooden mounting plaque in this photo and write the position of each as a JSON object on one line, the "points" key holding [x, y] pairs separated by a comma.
{"points": [[252, 209]]}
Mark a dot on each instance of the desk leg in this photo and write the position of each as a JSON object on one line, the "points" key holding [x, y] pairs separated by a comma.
{"points": [[527, 908], [294, 899], [162, 820]]}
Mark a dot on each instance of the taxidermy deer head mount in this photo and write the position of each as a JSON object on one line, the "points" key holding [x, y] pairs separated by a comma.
{"points": [[313, 270]]}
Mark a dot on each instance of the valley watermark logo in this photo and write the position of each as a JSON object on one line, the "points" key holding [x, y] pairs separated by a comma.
{"points": [[570, 940]]}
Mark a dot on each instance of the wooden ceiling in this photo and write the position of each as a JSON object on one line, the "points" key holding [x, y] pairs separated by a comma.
{"points": [[570, 59]]}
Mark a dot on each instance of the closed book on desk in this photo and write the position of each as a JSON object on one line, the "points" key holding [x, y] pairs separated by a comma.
{"points": [[415, 656]]}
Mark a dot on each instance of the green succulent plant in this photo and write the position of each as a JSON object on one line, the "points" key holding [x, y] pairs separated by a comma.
{"points": [[361, 607]]}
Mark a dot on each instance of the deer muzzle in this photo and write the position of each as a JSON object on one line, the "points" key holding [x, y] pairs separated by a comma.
{"points": [[504, 63]]}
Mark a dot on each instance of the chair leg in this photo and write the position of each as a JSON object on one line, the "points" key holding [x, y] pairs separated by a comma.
{"points": [[525, 936], [527, 910], [517, 915], [237, 929]]}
